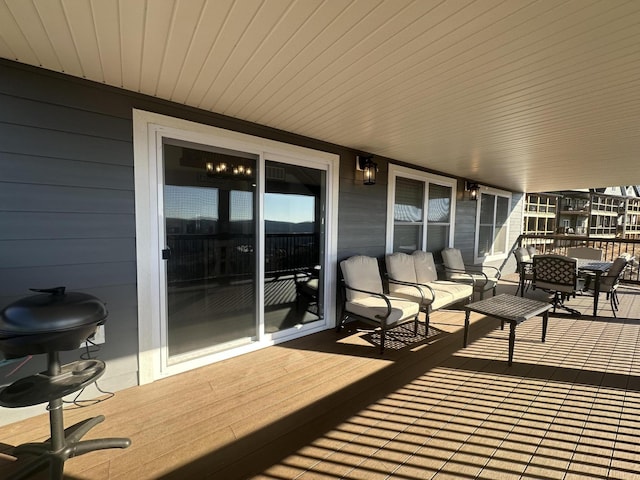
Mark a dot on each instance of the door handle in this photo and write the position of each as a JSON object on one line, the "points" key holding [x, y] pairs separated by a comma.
{"points": [[166, 253]]}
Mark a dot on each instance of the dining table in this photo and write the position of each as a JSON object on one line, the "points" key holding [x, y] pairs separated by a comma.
{"points": [[595, 267]]}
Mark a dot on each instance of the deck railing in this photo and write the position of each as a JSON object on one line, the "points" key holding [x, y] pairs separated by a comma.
{"points": [[612, 248], [198, 257]]}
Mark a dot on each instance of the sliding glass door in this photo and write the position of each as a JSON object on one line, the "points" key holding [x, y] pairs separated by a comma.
{"points": [[232, 278], [210, 228]]}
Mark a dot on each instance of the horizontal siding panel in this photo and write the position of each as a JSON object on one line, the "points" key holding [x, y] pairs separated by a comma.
{"points": [[33, 253], [18, 281], [56, 171], [39, 225], [355, 236], [51, 143], [369, 251], [43, 198], [21, 111], [64, 90]]}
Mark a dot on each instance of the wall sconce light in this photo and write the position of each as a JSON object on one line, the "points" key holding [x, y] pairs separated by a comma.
{"points": [[473, 188], [369, 169]]}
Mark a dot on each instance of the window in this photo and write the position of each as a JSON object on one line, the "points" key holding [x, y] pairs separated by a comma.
{"points": [[420, 211], [492, 228]]}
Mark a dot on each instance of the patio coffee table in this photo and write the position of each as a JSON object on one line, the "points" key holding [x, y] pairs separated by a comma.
{"points": [[509, 308]]}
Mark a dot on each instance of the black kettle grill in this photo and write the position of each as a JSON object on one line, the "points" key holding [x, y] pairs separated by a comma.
{"points": [[53, 321]]}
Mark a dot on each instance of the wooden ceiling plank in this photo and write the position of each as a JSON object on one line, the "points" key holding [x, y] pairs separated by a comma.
{"points": [[473, 77], [31, 24], [273, 75], [158, 20], [182, 38], [245, 50], [15, 38], [205, 34], [82, 27], [107, 14], [55, 23], [291, 22], [132, 25], [235, 24]]}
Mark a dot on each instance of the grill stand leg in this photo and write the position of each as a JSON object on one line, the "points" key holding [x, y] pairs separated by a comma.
{"points": [[63, 444]]}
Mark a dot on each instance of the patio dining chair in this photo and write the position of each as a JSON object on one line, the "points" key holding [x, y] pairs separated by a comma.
{"points": [[590, 254], [524, 267], [610, 280], [558, 275], [364, 298], [457, 271], [585, 252]]}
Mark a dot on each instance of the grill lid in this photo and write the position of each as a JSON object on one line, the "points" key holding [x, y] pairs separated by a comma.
{"points": [[53, 310]]}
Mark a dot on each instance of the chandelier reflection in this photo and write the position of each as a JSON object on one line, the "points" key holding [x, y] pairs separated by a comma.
{"points": [[223, 168]]}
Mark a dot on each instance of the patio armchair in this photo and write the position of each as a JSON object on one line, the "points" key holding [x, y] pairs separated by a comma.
{"points": [[415, 277], [558, 275], [364, 298], [457, 271], [610, 280]]}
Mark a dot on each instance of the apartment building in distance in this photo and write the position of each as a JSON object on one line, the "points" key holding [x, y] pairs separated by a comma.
{"points": [[598, 212]]}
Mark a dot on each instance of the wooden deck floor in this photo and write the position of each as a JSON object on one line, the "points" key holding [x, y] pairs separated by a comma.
{"points": [[329, 406]]}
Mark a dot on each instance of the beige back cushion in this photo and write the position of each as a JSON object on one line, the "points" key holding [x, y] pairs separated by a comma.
{"points": [[452, 258], [425, 266], [585, 252], [361, 272], [522, 254], [400, 267]]}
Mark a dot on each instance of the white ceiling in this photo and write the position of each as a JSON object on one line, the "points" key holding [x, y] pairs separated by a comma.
{"points": [[527, 95]]}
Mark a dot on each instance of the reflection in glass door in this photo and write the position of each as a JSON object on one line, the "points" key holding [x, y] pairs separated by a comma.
{"points": [[294, 214], [210, 228]]}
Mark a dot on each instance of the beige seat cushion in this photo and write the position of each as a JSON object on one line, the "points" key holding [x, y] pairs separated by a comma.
{"points": [[448, 293], [412, 293], [368, 307]]}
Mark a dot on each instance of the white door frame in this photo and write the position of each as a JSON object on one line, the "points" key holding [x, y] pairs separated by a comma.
{"points": [[148, 130]]}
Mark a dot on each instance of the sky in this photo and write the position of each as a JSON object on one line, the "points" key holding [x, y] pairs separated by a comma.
{"points": [[202, 202]]}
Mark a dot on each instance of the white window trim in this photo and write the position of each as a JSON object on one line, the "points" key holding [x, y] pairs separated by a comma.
{"points": [[404, 172], [148, 130], [500, 193]]}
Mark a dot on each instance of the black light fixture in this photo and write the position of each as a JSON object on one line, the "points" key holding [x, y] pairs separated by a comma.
{"points": [[369, 169], [473, 188]]}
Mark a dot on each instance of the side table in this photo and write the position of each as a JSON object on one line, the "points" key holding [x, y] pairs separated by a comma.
{"points": [[511, 309]]}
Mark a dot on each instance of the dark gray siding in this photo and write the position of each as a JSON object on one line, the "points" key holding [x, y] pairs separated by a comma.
{"points": [[363, 212], [67, 206]]}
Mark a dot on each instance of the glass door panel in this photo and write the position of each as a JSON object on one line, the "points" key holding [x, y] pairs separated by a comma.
{"points": [[210, 227], [294, 219]]}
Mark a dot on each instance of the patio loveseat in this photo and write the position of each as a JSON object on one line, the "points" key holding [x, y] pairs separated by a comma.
{"points": [[406, 272]]}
